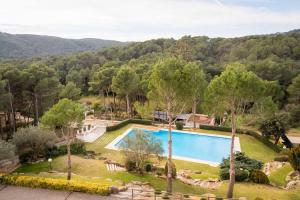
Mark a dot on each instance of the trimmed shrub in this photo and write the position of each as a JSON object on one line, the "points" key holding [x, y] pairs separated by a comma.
{"points": [[282, 158], [294, 158], [244, 131], [56, 184], [148, 167], [130, 165], [258, 176], [128, 121], [240, 175], [173, 170], [243, 165], [179, 125], [77, 147]]}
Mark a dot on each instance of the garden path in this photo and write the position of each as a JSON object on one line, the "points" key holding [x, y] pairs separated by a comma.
{"points": [[24, 193]]}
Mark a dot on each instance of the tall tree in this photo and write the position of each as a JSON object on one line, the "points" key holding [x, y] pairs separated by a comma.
{"points": [[231, 92], [101, 82], [125, 83], [166, 87], [67, 115], [294, 91], [196, 84], [41, 82], [70, 91]]}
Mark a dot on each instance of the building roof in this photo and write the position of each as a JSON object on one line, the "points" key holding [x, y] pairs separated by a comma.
{"points": [[294, 140], [200, 119]]}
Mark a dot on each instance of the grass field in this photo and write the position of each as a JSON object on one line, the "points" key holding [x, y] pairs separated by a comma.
{"points": [[95, 170]]}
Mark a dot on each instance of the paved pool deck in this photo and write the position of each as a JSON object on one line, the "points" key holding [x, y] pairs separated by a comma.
{"points": [[25, 193]]}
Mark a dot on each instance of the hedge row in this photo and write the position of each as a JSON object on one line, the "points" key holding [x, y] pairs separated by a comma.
{"points": [[128, 121], [244, 131], [56, 184]]}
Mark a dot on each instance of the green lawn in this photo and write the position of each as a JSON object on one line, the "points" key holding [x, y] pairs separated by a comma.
{"points": [[95, 170], [278, 177]]}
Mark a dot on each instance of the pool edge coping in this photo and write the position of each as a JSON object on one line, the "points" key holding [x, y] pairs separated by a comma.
{"points": [[237, 145]]}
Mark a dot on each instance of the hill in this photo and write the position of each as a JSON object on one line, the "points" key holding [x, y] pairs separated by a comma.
{"points": [[26, 46]]}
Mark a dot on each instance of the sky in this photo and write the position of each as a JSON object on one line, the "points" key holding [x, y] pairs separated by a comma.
{"points": [[139, 20]]}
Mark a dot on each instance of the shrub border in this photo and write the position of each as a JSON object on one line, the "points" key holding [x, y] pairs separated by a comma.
{"points": [[128, 121], [56, 184], [244, 131]]}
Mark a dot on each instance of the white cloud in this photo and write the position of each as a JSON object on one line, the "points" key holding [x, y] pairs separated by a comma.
{"points": [[140, 19]]}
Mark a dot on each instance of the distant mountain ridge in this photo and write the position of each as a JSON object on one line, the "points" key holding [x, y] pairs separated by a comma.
{"points": [[27, 45]]}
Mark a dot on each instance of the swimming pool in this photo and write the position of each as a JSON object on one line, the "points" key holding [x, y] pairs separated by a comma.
{"points": [[189, 146]]}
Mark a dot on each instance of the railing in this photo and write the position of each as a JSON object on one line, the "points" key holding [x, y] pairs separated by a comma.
{"points": [[161, 195]]}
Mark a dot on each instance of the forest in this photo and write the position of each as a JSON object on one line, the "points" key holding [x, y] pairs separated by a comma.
{"points": [[32, 86]]}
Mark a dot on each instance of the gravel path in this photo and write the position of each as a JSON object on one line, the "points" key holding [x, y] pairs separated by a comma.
{"points": [[24, 193]]}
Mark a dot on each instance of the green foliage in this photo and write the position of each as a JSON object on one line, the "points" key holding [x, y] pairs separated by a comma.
{"points": [[130, 165], [63, 114], [56, 184], [77, 148], [174, 172], [32, 143], [125, 82], [7, 150], [259, 177], [294, 90], [233, 89], [179, 125], [148, 167], [144, 110], [272, 127], [139, 146], [240, 174], [243, 165], [128, 121], [70, 91], [294, 158]]}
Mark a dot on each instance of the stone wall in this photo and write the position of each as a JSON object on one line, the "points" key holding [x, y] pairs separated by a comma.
{"points": [[9, 165]]}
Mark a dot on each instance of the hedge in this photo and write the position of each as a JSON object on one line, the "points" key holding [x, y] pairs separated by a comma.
{"points": [[128, 121], [244, 131], [56, 184]]}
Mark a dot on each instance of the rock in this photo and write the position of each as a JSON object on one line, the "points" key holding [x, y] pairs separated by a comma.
{"points": [[292, 176], [292, 184], [208, 195], [197, 172], [123, 189], [114, 190], [242, 198]]}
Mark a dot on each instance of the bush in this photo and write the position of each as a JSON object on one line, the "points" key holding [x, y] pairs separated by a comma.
{"points": [[240, 175], [282, 158], [7, 150], [258, 176], [77, 148], [34, 140], [56, 184], [179, 125], [148, 167], [243, 165], [173, 170], [128, 121], [130, 165], [294, 158]]}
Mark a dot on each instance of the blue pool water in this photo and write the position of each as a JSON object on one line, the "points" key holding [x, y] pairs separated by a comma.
{"points": [[191, 146]]}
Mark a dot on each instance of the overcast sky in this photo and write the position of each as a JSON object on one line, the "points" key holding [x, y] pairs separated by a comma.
{"points": [[137, 20]]}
